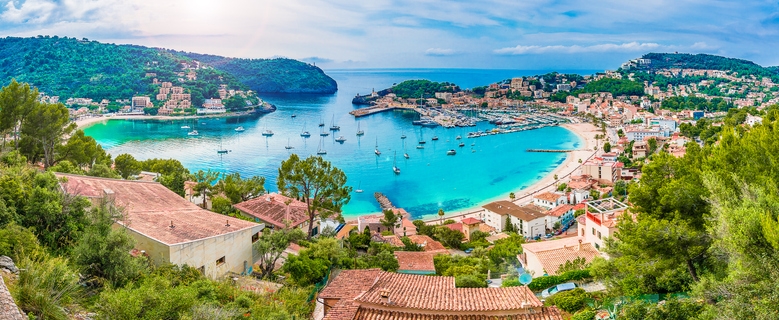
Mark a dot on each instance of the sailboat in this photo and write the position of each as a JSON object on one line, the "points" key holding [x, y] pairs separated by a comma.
{"points": [[323, 133], [358, 188], [403, 135], [395, 164], [359, 131], [405, 154], [319, 150], [377, 152], [334, 127], [221, 150], [240, 129], [340, 139], [288, 146], [462, 144], [321, 122], [305, 134]]}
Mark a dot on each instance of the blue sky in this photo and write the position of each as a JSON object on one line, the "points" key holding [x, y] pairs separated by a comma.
{"points": [[504, 34]]}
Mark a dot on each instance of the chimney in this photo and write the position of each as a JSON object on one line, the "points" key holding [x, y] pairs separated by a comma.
{"points": [[580, 245], [171, 224], [385, 296], [227, 224], [109, 194]]}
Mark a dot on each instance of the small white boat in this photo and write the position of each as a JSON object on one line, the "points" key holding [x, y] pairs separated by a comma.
{"points": [[420, 147], [461, 144], [288, 146], [240, 129], [395, 168], [305, 134], [376, 151], [359, 131], [184, 127], [451, 152], [193, 133], [405, 155], [267, 133], [458, 138], [340, 139]]}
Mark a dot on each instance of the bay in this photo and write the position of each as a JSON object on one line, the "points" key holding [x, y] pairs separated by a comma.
{"points": [[430, 179]]}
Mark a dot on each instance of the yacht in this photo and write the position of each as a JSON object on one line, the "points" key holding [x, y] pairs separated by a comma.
{"points": [[323, 133], [462, 144], [395, 164], [340, 139], [319, 150], [267, 133], [359, 131], [305, 134], [405, 155], [334, 127], [240, 129], [451, 152], [288, 146], [192, 133], [185, 127], [434, 138], [420, 147], [377, 152], [458, 137]]}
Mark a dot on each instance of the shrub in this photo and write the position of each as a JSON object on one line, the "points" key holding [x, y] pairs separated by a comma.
{"points": [[570, 301], [470, 281], [45, 287], [586, 314], [542, 283]]}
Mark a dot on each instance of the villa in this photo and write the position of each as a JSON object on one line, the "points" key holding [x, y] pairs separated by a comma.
{"points": [[169, 229], [529, 221], [277, 212], [543, 258]]}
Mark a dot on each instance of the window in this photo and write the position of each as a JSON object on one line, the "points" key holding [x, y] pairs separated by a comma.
{"points": [[598, 234], [220, 261], [597, 246], [593, 231], [255, 237]]}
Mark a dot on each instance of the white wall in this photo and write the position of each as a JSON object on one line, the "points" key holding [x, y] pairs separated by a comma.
{"points": [[495, 220]]}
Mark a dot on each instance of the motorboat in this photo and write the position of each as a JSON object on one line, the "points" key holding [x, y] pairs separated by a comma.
{"points": [[192, 133], [240, 129], [451, 152]]}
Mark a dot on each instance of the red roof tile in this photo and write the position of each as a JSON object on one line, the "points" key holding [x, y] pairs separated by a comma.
{"points": [[470, 221], [548, 196], [367, 313], [272, 208], [344, 309], [415, 261], [350, 283], [150, 208], [560, 210], [455, 226]]}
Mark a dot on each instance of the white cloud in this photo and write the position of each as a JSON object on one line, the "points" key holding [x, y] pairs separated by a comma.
{"points": [[606, 47], [437, 52]]}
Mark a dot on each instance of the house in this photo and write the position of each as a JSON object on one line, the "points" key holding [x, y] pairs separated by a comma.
{"points": [[469, 226], [640, 149], [415, 262], [169, 229], [278, 212], [562, 214], [549, 200], [379, 295], [604, 172], [529, 221], [427, 243], [543, 258], [600, 220]]}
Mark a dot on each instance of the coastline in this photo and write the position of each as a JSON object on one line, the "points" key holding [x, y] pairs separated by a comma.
{"points": [[87, 122], [585, 131]]}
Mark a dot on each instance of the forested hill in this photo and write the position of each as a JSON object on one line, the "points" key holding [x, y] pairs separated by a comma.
{"points": [[707, 61], [272, 75], [68, 67]]}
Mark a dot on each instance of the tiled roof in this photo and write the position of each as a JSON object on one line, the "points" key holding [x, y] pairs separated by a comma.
{"points": [[366, 313], [427, 243], [548, 196], [455, 226], [560, 210], [436, 293], [415, 261], [350, 283], [150, 209], [470, 221], [486, 228], [507, 207], [272, 208], [345, 309], [557, 252]]}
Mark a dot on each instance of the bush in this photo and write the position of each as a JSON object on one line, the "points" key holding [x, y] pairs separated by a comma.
{"points": [[470, 281], [570, 301], [542, 283], [45, 287], [586, 314]]}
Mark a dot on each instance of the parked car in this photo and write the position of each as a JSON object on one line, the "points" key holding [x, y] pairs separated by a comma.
{"points": [[469, 250], [558, 288]]}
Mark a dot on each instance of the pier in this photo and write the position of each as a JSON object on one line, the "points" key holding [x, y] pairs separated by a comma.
{"points": [[384, 202], [370, 110]]}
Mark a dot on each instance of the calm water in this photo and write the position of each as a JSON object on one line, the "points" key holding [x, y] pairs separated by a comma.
{"points": [[430, 179]]}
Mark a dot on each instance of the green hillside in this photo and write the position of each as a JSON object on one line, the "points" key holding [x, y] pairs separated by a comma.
{"points": [[707, 61], [68, 67]]}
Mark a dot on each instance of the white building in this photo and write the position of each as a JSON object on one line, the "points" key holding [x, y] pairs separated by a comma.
{"points": [[212, 106], [169, 229], [600, 220], [529, 221], [549, 200]]}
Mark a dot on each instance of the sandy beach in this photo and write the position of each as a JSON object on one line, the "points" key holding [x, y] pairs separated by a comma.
{"points": [[86, 122], [585, 131]]}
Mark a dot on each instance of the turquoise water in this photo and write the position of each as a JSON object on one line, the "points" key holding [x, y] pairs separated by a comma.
{"points": [[430, 179]]}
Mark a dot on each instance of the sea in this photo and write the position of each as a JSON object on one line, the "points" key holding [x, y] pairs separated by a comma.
{"points": [[485, 169]]}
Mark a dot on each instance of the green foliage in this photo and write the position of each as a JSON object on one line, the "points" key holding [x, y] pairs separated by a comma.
{"points": [[409, 245], [46, 285], [18, 242], [221, 205], [677, 103], [66, 166], [541, 283], [672, 309], [569, 301], [103, 171], [44, 128], [424, 229], [562, 187], [607, 147], [573, 265], [421, 88], [82, 151], [126, 165], [586, 314], [617, 87], [17, 100], [506, 250], [469, 281], [448, 237], [510, 228], [204, 186], [102, 251], [707, 61], [271, 245], [390, 219], [317, 183], [238, 189]]}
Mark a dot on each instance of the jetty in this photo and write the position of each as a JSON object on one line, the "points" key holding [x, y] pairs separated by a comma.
{"points": [[552, 150], [370, 110], [384, 202]]}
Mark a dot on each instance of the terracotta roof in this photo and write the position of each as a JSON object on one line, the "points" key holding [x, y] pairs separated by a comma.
{"points": [[560, 210], [548, 196], [551, 313], [470, 221], [350, 283], [579, 206], [486, 228], [504, 207], [554, 253], [272, 208], [415, 261], [496, 237], [455, 226], [435, 293], [150, 209], [427, 243], [345, 309]]}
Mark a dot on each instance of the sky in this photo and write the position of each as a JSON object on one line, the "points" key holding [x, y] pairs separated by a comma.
{"points": [[491, 34]]}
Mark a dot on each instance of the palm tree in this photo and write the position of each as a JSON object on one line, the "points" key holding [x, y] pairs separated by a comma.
{"points": [[512, 196], [441, 215]]}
